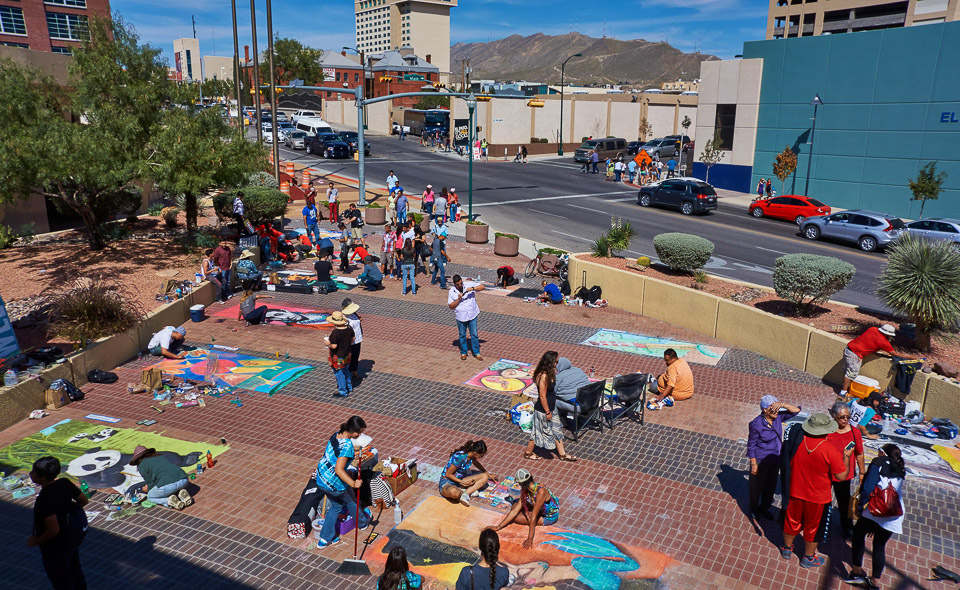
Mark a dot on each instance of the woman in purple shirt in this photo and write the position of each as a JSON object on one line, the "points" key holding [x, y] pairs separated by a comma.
{"points": [[763, 449]]}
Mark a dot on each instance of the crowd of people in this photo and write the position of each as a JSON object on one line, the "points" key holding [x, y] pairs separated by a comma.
{"points": [[627, 169]]}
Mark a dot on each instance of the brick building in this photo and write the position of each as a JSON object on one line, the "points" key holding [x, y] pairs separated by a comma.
{"points": [[390, 72], [49, 25]]}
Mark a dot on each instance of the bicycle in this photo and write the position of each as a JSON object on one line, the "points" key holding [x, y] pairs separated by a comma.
{"points": [[548, 264]]}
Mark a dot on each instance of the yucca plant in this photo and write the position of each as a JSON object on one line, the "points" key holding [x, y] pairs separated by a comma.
{"points": [[600, 248], [921, 280], [92, 309], [620, 235]]}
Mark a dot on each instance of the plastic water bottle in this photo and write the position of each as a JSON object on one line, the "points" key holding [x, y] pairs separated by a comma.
{"points": [[593, 372], [10, 378], [397, 513]]}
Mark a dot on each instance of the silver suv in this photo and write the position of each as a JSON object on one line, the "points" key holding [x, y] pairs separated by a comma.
{"points": [[867, 229], [937, 228]]}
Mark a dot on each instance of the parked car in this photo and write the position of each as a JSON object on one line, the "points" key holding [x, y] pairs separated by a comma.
{"points": [[297, 115], [686, 195], [283, 128], [312, 126], [608, 147], [867, 229], [937, 228], [351, 138], [295, 140], [689, 146], [683, 139], [633, 147], [266, 128], [281, 116], [328, 145], [795, 208], [661, 148]]}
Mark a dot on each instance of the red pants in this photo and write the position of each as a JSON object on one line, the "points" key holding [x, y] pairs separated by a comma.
{"points": [[334, 211], [803, 516]]}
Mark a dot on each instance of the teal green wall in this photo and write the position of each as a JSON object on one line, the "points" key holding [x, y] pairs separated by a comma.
{"points": [[884, 95]]}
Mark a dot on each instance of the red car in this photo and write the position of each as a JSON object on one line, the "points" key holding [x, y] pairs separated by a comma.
{"points": [[795, 208]]}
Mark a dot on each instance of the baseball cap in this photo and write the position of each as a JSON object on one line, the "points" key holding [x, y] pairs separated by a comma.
{"points": [[522, 475], [181, 330], [767, 401]]}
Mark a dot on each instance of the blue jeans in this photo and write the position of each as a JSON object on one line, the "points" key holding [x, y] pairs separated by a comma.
{"points": [[344, 381], [428, 209], [453, 212], [617, 174], [371, 284], [159, 495], [336, 501], [313, 234], [595, 171], [265, 250], [225, 285], [462, 327], [402, 215], [409, 270], [441, 266]]}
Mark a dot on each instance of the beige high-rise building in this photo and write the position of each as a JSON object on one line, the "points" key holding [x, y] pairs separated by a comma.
{"points": [[384, 25], [186, 59], [805, 18]]}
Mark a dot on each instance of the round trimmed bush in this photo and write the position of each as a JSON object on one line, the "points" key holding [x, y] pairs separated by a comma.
{"points": [[262, 179], [260, 204], [808, 279], [685, 252]]}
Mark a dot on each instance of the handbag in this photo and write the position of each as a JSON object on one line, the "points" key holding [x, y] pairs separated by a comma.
{"points": [[885, 502], [337, 363]]}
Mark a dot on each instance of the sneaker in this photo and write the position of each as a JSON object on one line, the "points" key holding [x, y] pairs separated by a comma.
{"points": [[185, 496], [343, 395], [653, 406], [173, 501], [321, 544], [465, 500], [786, 552], [668, 401], [855, 580], [808, 562]]}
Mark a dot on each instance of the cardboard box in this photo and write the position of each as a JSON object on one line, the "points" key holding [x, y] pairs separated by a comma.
{"points": [[402, 481]]}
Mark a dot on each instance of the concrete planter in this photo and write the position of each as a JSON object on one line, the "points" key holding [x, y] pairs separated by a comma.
{"points": [[375, 215], [506, 245], [478, 233], [425, 225]]}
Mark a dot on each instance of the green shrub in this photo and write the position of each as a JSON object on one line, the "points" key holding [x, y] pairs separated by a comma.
{"points": [[503, 235], [643, 261], [544, 140], [600, 248], [92, 309], [8, 237], [374, 206], [475, 222], [263, 179], [620, 234], [28, 231], [808, 279], [684, 252], [548, 250], [155, 209], [260, 204], [418, 218], [922, 281]]}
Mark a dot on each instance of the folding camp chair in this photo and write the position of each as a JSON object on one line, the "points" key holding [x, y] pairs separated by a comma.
{"points": [[588, 408], [631, 397]]}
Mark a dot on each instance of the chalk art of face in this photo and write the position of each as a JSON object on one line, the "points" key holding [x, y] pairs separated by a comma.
{"points": [[285, 316], [98, 437], [910, 453]]}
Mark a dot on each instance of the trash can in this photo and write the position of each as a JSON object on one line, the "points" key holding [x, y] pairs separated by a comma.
{"points": [[196, 313]]}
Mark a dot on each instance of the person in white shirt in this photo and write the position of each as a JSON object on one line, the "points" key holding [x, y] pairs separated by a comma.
{"points": [[349, 310], [463, 301], [392, 182], [166, 342]]}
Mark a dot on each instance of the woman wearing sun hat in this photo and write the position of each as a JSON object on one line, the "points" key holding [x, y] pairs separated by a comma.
{"points": [[339, 343], [165, 481], [812, 464], [349, 310]]}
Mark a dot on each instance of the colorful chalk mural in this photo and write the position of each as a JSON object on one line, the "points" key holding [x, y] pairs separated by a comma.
{"points": [[235, 370], [441, 538], [100, 453], [506, 376], [651, 346], [299, 317]]}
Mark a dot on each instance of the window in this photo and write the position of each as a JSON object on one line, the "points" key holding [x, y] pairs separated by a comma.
{"points": [[943, 227], [11, 21], [337, 76], [9, 44], [67, 26], [62, 50], [725, 123], [73, 3], [863, 220], [356, 77]]}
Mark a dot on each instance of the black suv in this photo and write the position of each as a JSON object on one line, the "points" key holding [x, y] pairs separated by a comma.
{"points": [[351, 138], [689, 196], [328, 145]]}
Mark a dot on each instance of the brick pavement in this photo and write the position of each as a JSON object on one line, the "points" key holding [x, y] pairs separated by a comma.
{"points": [[677, 484]]}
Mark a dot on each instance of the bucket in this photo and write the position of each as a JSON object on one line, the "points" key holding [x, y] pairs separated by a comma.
{"points": [[863, 386], [197, 313]]}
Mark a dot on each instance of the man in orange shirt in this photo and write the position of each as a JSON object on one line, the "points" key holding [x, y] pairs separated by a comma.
{"points": [[872, 341], [675, 384]]}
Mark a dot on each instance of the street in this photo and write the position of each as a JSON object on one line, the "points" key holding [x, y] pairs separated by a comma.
{"points": [[550, 202]]}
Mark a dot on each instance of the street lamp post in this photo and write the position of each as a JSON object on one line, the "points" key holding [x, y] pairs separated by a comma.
{"points": [[472, 107], [236, 71], [363, 75], [255, 91], [816, 102], [273, 94], [361, 123], [562, 66]]}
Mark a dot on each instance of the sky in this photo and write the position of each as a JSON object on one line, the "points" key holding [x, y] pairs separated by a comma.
{"points": [[719, 26]]}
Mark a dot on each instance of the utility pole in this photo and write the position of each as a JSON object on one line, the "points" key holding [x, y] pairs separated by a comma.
{"points": [[255, 91], [273, 92], [193, 19], [236, 71]]}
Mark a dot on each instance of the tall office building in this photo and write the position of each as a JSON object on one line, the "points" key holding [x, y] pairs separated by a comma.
{"points": [[186, 59], [383, 25], [805, 18], [52, 25]]}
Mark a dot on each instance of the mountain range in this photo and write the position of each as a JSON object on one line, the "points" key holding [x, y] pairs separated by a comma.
{"points": [[537, 58]]}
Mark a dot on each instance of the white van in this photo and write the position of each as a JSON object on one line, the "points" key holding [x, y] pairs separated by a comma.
{"points": [[313, 125]]}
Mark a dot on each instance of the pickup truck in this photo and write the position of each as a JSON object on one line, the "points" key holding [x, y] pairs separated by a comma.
{"points": [[396, 128]]}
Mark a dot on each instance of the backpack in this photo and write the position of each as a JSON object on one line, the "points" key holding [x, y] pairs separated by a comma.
{"points": [[300, 522], [565, 287], [590, 295], [74, 527], [98, 376], [72, 391]]}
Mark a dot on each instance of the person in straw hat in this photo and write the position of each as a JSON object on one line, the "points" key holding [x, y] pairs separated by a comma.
{"points": [[165, 482], [873, 341], [247, 271], [812, 463], [339, 343]]}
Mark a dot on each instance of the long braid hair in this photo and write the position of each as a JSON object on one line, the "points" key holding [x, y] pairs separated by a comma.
{"points": [[490, 551]]}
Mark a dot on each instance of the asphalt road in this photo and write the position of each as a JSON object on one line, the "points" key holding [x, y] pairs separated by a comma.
{"points": [[550, 202]]}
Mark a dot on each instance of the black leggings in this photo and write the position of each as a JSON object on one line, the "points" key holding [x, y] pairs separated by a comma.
{"points": [[63, 568], [881, 535], [256, 316], [841, 489]]}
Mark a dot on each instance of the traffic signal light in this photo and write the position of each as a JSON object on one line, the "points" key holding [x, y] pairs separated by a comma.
{"points": [[439, 85], [384, 78], [484, 98], [535, 103]]}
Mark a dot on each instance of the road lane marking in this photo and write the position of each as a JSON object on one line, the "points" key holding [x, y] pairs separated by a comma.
{"points": [[570, 235], [584, 208], [769, 250], [535, 199], [550, 214]]}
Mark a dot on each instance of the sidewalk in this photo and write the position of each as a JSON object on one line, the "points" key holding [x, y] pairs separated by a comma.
{"points": [[665, 501]]}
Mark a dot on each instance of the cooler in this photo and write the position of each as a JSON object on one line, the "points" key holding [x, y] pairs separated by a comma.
{"points": [[863, 386], [197, 313]]}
